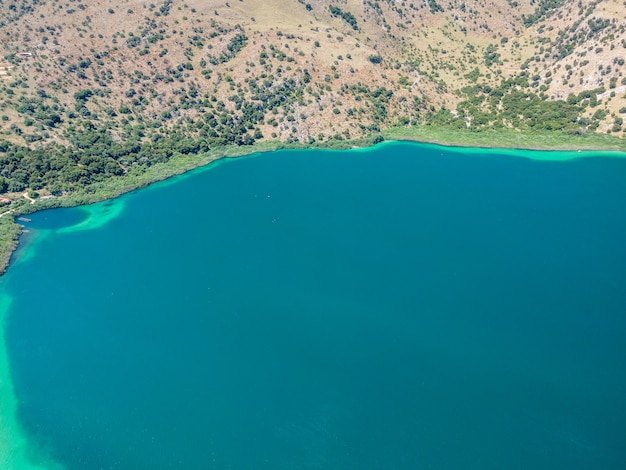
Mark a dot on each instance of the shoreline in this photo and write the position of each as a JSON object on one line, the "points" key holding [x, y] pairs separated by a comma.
{"points": [[508, 141], [14, 445]]}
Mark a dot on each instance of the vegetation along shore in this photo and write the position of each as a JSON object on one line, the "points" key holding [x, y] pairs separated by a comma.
{"points": [[100, 99]]}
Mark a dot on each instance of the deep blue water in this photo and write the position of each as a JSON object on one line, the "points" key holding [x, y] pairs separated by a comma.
{"points": [[398, 308]]}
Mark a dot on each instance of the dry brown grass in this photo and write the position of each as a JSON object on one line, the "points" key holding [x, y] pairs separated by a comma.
{"points": [[434, 52]]}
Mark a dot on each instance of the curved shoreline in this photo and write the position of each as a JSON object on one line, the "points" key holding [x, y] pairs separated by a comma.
{"points": [[543, 207], [509, 142], [14, 445]]}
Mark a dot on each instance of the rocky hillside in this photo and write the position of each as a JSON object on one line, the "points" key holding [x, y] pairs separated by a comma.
{"points": [[93, 90]]}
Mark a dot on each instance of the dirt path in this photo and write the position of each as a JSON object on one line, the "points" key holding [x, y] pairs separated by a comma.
{"points": [[11, 211]]}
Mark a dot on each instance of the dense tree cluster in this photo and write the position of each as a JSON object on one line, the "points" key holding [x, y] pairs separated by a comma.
{"points": [[512, 105], [345, 15], [543, 9]]}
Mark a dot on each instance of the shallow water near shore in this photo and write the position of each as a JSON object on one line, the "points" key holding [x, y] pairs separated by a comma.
{"points": [[406, 306]]}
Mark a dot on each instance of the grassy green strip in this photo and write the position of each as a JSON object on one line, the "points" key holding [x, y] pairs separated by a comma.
{"points": [[507, 138]]}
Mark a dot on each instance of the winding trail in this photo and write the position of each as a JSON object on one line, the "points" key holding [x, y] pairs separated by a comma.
{"points": [[32, 201], [12, 211]]}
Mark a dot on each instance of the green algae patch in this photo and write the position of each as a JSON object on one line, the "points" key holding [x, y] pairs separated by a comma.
{"points": [[97, 215], [16, 452]]}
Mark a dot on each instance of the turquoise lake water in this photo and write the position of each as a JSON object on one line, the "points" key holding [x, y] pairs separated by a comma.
{"points": [[404, 307]]}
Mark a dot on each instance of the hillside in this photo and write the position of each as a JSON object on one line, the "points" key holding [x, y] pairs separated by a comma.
{"points": [[93, 91]]}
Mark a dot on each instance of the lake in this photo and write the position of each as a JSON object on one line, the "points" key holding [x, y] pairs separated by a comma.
{"points": [[406, 306]]}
